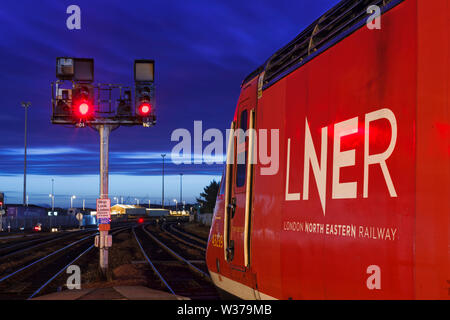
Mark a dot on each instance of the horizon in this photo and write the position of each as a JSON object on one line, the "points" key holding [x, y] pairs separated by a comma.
{"points": [[202, 52]]}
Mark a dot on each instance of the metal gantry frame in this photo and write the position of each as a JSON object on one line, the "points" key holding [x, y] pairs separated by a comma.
{"points": [[105, 118]]}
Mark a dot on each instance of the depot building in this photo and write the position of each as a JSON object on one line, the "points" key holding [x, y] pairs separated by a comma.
{"points": [[121, 209]]}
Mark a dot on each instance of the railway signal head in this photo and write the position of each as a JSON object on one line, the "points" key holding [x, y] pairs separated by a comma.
{"points": [[83, 102], [144, 79], [144, 106]]}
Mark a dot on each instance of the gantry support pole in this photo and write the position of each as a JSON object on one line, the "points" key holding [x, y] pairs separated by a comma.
{"points": [[104, 131]]}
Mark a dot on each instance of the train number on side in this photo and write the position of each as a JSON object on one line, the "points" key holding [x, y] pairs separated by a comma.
{"points": [[217, 240]]}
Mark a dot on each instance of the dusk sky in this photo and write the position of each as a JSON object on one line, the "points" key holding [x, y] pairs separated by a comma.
{"points": [[202, 51]]}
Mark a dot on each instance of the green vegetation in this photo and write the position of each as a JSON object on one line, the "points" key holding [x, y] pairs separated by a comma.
{"points": [[207, 200]]}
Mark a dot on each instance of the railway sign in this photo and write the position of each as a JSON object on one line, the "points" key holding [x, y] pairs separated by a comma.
{"points": [[79, 216], [107, 244], [103, 210], [104, 220]]}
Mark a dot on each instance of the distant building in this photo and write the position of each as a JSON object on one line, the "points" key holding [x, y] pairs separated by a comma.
{"points": [[120, 209], [154, 212]]}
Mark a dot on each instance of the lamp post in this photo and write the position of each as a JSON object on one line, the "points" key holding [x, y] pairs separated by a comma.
{"points": [[53, 201], [162, 197], [181, 187], [71, 201], [176, 204], [25, 105]]}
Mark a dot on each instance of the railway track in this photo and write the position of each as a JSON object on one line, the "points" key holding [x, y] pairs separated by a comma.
{"points": [[177, 274], [8, 250], [27, 280], [184, 237], [183, 245], [196, 237]]}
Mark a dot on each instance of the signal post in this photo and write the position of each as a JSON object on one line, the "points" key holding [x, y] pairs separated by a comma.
{"points": [[104, 226], [78, 105]]}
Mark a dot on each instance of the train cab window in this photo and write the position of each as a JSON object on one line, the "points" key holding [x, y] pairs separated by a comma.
{"points": [[241, 152]]}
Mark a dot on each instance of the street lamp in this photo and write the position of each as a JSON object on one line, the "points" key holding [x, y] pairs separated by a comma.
{"points": [[176, 204], [71, 201], [181, 187], [162, 198], [53, 201], [25, 105]]}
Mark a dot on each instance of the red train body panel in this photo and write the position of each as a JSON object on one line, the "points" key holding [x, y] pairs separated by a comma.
{"points": [[359, 207]]}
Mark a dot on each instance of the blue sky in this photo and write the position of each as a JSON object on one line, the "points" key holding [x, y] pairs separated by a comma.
{"points": [[202, 49]]}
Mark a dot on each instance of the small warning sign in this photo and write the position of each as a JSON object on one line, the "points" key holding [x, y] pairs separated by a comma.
{"points": [[103, 210]]}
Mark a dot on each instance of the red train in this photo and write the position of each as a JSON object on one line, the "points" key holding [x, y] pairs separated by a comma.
{"points": [[355, 200]]}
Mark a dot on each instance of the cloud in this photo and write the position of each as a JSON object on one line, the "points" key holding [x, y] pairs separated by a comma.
{"points": [[42, 151]]}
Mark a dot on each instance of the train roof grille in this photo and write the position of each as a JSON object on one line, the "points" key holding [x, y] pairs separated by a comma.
{"points": [[329, 26]]}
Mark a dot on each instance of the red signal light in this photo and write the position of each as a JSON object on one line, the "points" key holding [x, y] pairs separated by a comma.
{"points": [[83, 109], [144, 109], [83, 102], [141, 220]]}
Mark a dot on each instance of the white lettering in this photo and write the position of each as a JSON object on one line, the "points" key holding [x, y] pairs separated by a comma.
{"points": [[320, 172], [381, 157], [289, 196], [343, 159]]}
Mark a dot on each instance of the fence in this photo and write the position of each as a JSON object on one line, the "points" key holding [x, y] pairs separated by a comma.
{"points": [[205, 218], [14, 223]]}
